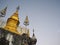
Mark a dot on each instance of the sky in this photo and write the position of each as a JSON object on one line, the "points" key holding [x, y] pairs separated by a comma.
{"points": [[44, 18]]}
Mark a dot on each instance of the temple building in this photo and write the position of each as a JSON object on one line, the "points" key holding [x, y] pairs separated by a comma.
{"points": [[11, 35]]}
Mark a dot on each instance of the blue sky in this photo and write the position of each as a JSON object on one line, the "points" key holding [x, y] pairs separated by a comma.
{"points": [[44, 17]]}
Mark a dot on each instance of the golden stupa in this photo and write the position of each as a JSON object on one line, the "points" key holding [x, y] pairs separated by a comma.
{"points": [[12, 23]]}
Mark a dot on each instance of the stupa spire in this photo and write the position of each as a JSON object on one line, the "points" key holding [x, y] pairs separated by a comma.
{"points": [[26, 22], [13, 22], [15, 15], [34, 40], [33, 36], [3, 12]]}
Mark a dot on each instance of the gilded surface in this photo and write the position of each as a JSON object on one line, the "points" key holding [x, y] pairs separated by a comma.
{"points": [[12, 23]]}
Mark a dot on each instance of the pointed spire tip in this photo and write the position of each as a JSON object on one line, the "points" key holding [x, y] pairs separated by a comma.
{"points": [[18, 8]]}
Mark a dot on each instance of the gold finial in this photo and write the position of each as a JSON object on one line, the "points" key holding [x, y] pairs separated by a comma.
{"points": [[26, 22], [17, 9]]}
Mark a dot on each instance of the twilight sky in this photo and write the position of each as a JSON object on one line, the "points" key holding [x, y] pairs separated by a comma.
{"points": [[44, 17]]}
